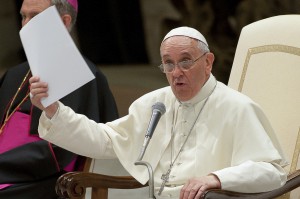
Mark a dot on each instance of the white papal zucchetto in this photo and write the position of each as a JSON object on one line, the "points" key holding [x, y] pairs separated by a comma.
{"points": [[186, 31]]}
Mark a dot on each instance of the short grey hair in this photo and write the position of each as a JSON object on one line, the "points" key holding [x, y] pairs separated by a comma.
{"points": [[203, 47], [64, 7]]}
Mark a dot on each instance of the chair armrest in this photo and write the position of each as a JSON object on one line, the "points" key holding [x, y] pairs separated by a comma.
{"points": [[73, 184], [292, 183]]}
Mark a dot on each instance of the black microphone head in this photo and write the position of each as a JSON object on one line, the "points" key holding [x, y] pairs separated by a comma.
{"points": [[159, 107]]}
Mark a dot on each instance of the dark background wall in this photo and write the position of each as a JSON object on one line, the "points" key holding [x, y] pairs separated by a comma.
{"points": [[111, 31], [108, 32], [118, 32]]}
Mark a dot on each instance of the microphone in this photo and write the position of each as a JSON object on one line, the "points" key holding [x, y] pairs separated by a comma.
{"points": [[158, 109]]}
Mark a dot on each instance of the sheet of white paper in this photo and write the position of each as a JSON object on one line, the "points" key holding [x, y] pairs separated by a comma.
{"points": [[53, 56]]}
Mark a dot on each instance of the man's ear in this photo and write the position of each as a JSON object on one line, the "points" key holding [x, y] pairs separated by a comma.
{"points": [[210, 57], [67, 19]]}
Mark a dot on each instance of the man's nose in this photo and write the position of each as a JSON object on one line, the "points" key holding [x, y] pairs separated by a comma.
{"points": [[177, 71]]}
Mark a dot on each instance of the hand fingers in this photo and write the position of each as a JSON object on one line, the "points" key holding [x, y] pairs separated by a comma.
{"points": [[191, 191], [201, 191], [196, 187], [33, 79], [37, 87], [38, 90], [183, 190]]}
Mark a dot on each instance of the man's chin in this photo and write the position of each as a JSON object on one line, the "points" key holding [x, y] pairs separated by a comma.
{"points": [[182, 96]]}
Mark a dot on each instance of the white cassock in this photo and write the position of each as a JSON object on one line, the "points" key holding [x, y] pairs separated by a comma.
{"points": [[231, 138]]}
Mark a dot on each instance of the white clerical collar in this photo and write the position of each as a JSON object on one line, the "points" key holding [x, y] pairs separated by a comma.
{"points": [[205, 91]]}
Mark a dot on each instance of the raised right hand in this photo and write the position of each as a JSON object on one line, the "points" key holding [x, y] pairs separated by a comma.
{"points": [[39, 90]]}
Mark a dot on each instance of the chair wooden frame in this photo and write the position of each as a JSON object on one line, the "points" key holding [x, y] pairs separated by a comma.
{"points": [[73, 185]]}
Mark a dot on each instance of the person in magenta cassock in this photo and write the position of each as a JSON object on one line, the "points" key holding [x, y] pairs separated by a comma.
{"points": [[30, 166]]}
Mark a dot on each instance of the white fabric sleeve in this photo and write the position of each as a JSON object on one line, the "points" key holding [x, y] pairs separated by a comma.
{"points": [[85, 137], [252, 177]]}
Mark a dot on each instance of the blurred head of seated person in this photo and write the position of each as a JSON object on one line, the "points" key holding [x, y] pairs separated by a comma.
{"points": [[30, 166], [67, 9], [210, 137]]}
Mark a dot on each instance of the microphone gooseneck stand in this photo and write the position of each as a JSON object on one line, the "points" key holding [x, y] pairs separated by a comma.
{"points": [[158, 109], [149, 167]]}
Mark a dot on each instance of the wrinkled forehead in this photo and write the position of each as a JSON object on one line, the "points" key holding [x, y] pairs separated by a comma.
{"points": [[179, 46], [34, 6]]}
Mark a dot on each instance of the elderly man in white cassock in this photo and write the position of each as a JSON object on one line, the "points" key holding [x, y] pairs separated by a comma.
{"points": [[210, 136]]}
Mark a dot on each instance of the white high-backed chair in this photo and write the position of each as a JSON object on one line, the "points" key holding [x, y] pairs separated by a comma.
{"points": [[266, 67]]}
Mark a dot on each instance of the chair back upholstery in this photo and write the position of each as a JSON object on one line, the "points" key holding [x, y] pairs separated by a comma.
{"points": [[266, 68]]}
